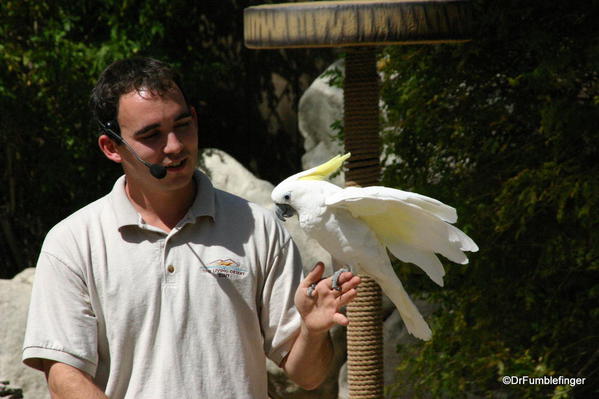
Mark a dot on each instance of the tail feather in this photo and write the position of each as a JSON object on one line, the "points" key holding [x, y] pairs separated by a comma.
{"points": [[409, 313]]}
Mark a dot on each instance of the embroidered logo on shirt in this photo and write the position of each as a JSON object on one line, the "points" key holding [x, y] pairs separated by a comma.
{"points": [[226, 268]]}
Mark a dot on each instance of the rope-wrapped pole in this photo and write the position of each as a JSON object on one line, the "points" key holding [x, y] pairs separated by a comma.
{"points": [[361, 136]]}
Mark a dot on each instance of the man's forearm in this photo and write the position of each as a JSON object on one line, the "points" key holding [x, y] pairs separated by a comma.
{"points": [[67, 382], [309, 360]]}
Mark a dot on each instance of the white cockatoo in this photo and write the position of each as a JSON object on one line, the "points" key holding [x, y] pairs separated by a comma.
{"points": [[357, 225]]}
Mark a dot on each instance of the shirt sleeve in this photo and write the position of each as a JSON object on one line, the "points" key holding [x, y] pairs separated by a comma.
{"points": [[280, 318], [61, 325]]}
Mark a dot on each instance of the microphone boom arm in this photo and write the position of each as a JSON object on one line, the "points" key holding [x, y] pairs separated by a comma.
{"points": [[158, 171]]}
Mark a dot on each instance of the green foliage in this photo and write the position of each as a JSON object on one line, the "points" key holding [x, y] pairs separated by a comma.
{"points": [[52, 52], [505, 128]]}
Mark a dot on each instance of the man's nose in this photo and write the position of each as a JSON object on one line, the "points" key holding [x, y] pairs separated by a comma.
{"points": [[173, 144]]}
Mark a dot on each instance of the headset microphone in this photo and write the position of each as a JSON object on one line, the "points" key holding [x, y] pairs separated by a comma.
{"points": [[158, 171]]}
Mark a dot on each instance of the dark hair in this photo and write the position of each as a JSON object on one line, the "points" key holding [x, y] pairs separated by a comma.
{"points": [[124, 76]]}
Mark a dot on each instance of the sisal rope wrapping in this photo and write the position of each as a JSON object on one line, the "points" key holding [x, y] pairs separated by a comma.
{"points": [[361, 131]]}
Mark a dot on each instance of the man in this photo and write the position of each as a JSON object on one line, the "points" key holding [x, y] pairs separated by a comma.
{"points": [[167, 287]]}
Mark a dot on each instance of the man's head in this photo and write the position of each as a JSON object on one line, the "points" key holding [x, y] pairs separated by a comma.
{"points": [[128, 75], [142, 100]]}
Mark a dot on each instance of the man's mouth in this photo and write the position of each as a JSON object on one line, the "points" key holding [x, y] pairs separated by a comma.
{"points": [[177, 165]]}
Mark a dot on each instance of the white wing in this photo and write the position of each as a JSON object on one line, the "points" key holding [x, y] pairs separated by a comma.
{"points": [[363, 197], [412, 226], [353, 242]]}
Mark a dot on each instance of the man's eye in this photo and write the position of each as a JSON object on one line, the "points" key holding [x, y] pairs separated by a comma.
{"points": [[150, 136], [182, 125]]}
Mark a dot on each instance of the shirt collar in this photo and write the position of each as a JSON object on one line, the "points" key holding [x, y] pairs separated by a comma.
{"points": [[203, 204]]}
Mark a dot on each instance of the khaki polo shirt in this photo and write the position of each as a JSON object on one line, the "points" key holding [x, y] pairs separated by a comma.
{"points": [[149, 314]]}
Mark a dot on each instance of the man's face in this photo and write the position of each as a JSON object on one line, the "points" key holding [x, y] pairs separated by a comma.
{"points": [[162, 130]]}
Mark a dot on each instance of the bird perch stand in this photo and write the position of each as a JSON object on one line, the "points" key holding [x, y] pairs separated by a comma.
{"points": [[359, 26]]}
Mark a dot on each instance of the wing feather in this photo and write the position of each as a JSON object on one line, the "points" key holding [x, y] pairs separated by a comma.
{"points": [[413, 227], [427, 261], [380, 193]]}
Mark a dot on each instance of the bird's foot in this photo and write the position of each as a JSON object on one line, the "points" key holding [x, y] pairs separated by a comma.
{"points": [[310, 290], [335, 279]]}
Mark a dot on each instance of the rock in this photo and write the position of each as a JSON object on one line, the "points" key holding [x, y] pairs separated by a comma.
{"points": [[229, 175], [320, 106], [14, 303]]}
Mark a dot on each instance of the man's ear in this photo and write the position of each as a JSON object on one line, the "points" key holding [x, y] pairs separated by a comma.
{"points": [[109, 148]]}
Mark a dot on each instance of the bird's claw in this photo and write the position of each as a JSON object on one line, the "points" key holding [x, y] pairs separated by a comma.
{"points": [[335, 279], [310, 290]]}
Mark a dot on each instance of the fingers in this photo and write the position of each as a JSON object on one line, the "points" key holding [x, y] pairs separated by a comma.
{"points": [[319, 304], [343, 300], [346, 281], [314, 286], [340, 318], [314, 276], [347, 297]]}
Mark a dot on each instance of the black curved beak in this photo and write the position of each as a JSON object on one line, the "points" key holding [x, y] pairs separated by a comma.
{"points": [[284, 211]]}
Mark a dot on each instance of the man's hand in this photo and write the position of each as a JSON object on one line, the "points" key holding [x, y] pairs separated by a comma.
{"points": [[308, 362], [320, 310]]}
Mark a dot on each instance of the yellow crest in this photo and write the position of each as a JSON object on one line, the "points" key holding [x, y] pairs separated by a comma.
{"points": [[321, 172]]}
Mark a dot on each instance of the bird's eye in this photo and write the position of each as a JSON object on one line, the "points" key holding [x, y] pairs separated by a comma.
{"points": [[286, 197]]}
